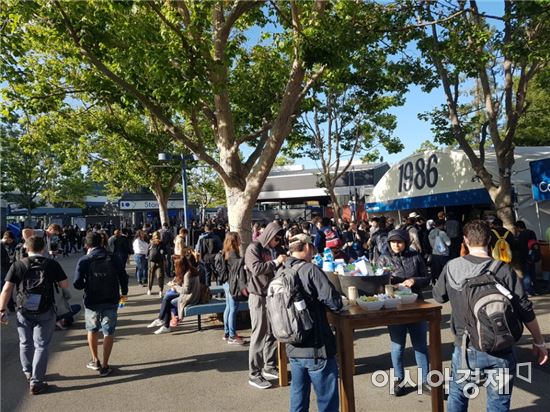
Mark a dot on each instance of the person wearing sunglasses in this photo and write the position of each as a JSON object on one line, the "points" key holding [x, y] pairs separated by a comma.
{"points": [[262, 259]]}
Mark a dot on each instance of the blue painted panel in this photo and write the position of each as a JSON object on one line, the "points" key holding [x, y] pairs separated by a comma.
{"points": [[465, 197]]}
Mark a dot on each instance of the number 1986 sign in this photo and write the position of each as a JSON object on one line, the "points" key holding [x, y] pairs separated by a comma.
{"points": [[419, 174]]}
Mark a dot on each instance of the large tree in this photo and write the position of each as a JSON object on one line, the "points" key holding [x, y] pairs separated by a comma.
{"points": [[497, 55], [232, 73]]}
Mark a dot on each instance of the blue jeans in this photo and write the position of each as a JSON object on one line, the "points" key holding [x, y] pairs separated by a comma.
{"points": [[398, 335], [230, 313], [169, 301], [35, 333], [141, 268], [528, 275], [102, 316], [491, 365], [323, 374]]}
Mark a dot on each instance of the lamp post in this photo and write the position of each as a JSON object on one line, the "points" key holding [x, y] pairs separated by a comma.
{"points": [[184, 159]]}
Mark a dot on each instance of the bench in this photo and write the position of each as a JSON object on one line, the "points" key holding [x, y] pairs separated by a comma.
{"points": [[215, 305]]}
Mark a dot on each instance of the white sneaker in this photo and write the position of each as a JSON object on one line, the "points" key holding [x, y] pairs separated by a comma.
{"points": [[148, 292], [162, 329], [160, 294], [156, 323]]}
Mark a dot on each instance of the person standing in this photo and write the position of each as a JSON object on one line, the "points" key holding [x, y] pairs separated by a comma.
{"points": [[313, 362], [522, 238], [450, 288], [262, 260], [440, 245], [140, 247], [409, 270], [207, 246], [35, 309], [103, 278]]}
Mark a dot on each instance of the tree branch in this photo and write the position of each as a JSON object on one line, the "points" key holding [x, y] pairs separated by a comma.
{"points": [[255, 155], [265, 127]]}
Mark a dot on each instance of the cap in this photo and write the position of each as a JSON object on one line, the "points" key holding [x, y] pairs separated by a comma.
{"points": [[413, 214], [400, 235]]}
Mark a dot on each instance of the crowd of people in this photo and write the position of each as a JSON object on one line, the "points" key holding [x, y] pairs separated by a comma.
{"points": [[421, 252]]}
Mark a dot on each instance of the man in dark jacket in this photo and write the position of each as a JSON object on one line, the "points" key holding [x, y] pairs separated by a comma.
{"points": [[102, 278], [314, 360], [262, 260], [450, 287]]}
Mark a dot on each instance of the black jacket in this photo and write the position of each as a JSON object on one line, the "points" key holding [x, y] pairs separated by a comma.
{"points": [[320, 295], [406, 265]]}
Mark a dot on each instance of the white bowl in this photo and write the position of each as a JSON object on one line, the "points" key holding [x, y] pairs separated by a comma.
{"points": [[391, 303], [406, 299], [374, 305]]}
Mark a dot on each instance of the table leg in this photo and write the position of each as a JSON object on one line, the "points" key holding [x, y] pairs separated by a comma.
{"points": [[347, 359], [435, 359], [283, 361]]}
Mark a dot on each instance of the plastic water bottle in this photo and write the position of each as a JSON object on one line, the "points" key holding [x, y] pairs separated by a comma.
{"points": [[318, 260], [121, 303], [327, 255]]}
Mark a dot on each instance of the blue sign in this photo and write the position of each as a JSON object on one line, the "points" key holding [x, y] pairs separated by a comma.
{"points": [[540, 179]]}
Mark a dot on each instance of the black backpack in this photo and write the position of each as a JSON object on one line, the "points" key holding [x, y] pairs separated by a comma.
{"points": [[156, 253], [220, 265], [492, 322], [35, 292], [102, 284], [238, 281]]}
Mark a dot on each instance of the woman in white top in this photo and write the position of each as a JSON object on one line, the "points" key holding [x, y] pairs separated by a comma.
{"points": [[140, 247]]}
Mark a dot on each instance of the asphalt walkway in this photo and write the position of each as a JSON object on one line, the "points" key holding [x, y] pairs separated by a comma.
{"points": [[188, 370]]}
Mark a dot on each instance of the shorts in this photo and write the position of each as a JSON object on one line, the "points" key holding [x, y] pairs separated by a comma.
{"points": [[101, 317]]}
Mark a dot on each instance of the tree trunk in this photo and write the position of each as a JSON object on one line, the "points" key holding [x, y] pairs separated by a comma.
{"points": [[163, 206], [336, 208], [239, 212], [504, 205]]}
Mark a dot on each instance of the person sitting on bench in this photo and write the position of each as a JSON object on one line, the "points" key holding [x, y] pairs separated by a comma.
{"points": [[186, 292]]}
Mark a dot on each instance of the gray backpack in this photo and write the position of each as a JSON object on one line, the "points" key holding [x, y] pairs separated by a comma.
{"points": [[287, 312]]}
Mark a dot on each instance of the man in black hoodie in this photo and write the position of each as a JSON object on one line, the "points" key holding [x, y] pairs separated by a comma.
{"points": [[450, 287], [262, 259], [314, 360]]}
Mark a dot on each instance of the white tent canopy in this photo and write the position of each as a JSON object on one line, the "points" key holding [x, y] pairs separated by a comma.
{"points": [[446, 178]]}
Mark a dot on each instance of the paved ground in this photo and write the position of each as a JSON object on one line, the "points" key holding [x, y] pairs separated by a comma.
{"points": [[189, 370]]}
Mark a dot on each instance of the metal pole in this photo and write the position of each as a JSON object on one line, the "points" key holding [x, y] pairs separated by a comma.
{"points": [[538, 218], [184, 194]]}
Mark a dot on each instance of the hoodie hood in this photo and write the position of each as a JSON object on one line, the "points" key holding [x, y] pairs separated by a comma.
{"points": [[399, 234], [269, 233], [462, 269]]}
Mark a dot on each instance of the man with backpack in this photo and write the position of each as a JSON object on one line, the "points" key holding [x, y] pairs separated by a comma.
{"points": [[527, 247], [440, 244], [102, 277], [208, 245], [489, 308], [35, 278], [312, 349]]}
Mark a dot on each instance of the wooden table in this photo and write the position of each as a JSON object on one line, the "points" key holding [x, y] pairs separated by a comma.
{"points": [[354, 318]]}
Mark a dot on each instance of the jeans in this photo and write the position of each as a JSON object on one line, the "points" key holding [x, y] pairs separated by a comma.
{"points": [[262, 351], [230, 313], [208, 272], [494, 368], [141, 268], [398, 335], [102, 316], [35, 333], [528, 275], [169, 300], [323, 374]]}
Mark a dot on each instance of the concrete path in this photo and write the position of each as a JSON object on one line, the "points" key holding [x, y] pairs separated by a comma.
{"points": [[188, 370]]}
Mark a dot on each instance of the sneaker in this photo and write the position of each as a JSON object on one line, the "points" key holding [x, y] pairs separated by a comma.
{"points": [[94, 365], [38, 388], [105, 371], [259, 383], [271, 374], [144, 284], [161, 330], [237, 340], [399, 388], [148, 292], [59, 325], [225, 336], [160, 294], [174, 322], [155, 324], [28, 375]]}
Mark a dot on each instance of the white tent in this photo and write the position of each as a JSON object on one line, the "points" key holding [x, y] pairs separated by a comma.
{"points": [[446, 178]]}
